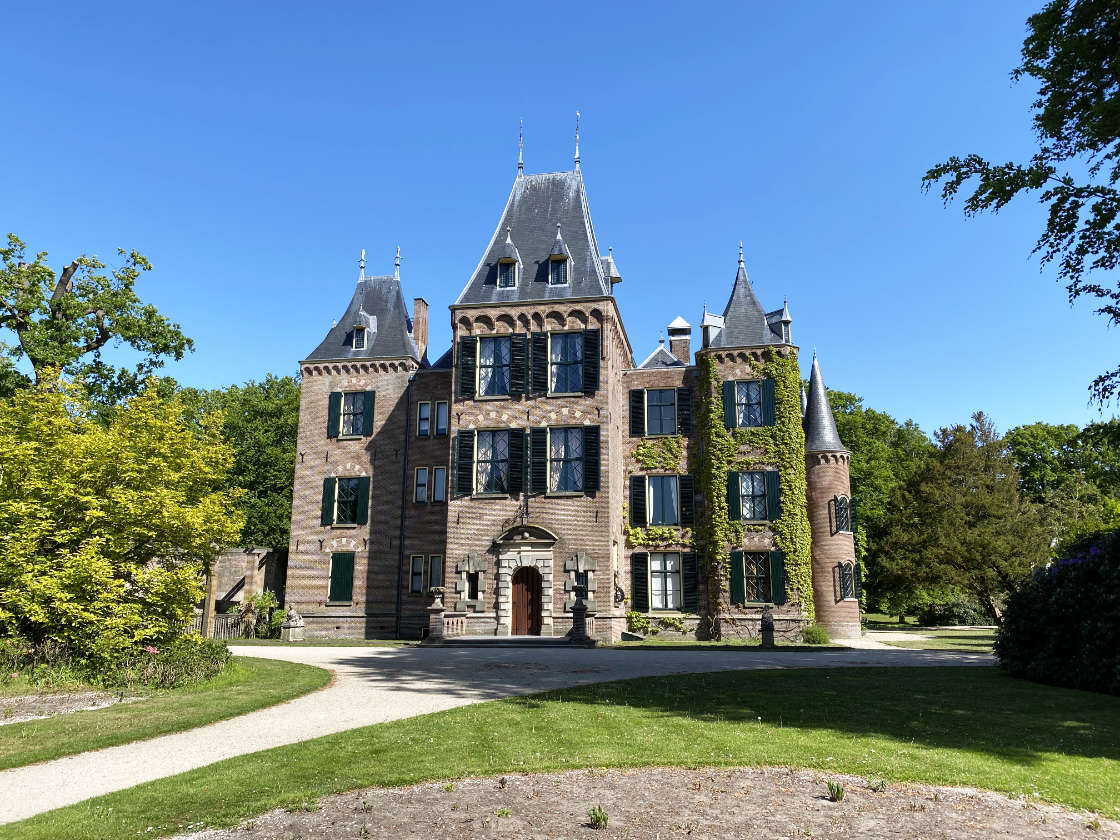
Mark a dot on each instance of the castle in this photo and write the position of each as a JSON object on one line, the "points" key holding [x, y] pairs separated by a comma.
{"points": [[537, 454]]}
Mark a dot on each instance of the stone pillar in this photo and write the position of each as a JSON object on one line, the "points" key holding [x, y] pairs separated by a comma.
{"points": [[292, 628], [767, 627], [826, 477], [435, 615], [578, 634], [208, 604]]}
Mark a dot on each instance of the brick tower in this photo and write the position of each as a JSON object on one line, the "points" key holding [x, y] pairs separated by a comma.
{"points": [[836, 576]]}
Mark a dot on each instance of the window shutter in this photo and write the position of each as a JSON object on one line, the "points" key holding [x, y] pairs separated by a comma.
{"points": [[858, 568], [729, 405], [637, 412], [518, 363], [516, 461], [688, 500], [468, 365], [734, 502], [767, 402], [342, 576], [591, 458], [367, 413], [363, 500], [738, 589], [327, 517], [852, 514], [777, 577], [464, 463], [539, 363], [773, 496], [592, 343], [638, 501], [690, 582], [639, 581], [538, 460], [334, 413], [684, 411]]}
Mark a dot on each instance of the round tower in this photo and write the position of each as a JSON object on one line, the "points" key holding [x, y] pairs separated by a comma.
{"points": [[836, 579]]}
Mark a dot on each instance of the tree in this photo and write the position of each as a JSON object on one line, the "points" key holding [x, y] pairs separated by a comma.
{"points": [[961, 522], [63, 323], [1071, 50], [106, 525]]}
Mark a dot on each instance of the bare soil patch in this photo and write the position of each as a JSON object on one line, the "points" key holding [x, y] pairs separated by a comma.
{"points": [[37, 706], [644, 804]]}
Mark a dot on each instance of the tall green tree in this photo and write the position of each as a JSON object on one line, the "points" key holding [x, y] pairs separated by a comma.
{"points": [[62, 323], [1071, 51]]}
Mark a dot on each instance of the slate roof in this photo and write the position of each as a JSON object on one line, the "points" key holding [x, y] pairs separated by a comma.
{"points": [[744, 320], [660, 358], [378, 304], [820, 425], [537, 203], [443, 362]]}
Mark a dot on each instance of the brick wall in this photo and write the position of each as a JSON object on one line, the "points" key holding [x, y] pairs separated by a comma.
{"points": [[826, 477]]}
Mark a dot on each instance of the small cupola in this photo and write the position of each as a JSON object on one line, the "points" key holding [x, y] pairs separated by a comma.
{"points": [[558, 261], [610, 268], [785, 321], [509, 263]]}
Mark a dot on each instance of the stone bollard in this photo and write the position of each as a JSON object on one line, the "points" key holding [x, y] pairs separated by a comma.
{"points": [[292, 628], [767, 628], [435, 615], [578, 634]]}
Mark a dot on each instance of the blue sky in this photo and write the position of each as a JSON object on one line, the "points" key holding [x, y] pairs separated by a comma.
{"points": [[252, 150]]}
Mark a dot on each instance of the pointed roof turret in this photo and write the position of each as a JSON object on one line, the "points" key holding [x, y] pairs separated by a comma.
{"points": [[559, 249], [509, 250], [820, 425], [804, 402], [744, 320]]}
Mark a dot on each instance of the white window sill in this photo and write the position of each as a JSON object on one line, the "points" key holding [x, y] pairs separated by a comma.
{"points": [[345, 525]]}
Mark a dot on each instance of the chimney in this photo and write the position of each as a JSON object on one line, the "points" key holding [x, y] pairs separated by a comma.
{"points": [[680, 340], [420, 325]]}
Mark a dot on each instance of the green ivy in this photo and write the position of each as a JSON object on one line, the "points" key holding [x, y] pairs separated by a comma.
{"points": [[653, 535], [660, 453], [637, 622]]}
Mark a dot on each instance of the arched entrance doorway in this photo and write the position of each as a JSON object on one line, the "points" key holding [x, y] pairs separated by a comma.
{"points": [[526, 607]]}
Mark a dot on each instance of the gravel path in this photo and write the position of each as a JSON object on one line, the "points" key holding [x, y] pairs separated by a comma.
{"points": [[374, 685]]}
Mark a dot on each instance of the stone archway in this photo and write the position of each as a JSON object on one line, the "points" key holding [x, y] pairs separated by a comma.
{"points": [[519, 547]]}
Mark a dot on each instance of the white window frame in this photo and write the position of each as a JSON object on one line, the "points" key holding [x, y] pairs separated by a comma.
{"points": [[428, 568], [492, 493], [412, 574], [649, 500], [678, 592], [359, 330], [847, 501], [438, 484], [420, 405], [417, 486], [551, 392], [357, 501], [645, 396], [851, 570], [514, 267], [548, 443], [563, 261], [479, 395], [743, 498], [761, 419], [446, 417], [360, 396]]}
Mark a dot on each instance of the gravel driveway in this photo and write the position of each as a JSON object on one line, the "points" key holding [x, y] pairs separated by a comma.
{"points": [[374, 685]]}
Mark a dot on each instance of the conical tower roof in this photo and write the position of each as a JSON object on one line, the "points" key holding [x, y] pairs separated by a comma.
{"points": [[820, 425], [744, 319]]}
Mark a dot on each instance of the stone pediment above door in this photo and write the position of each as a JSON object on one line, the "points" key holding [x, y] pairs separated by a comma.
{"points": [[525, 534]]}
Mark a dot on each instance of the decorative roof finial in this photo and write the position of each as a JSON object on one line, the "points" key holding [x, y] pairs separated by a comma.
{"points": [[362, 266], [740, 253], [520, 149], [577, 139], [397, 264]]}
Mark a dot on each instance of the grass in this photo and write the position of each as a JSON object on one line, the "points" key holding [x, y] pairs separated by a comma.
{"points": [[954, 726], [970, 640], [245, 685], [325, 643]]}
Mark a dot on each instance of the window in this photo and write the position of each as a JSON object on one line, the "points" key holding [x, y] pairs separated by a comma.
{"points": [[665, 581], [748, 403], [752, 490], [359, 338], [663, 500], [421, 494], [847, 582], [492, 462], [416, 574], [843, 515], [441, 418], [661, 411], [756, 576], [346, 501], [507, 275], [472, 586], [493, 366], [353, 406], [439, 484], [342, 577], [435, 570], [566, 363], [557, 272], [423, 419], [565, 460]]}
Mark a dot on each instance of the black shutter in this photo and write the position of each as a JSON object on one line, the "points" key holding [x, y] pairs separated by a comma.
{"points": [[538, 363], [363, 500], [464, 463], [729, 405], [516, 461], [637, 412], [859, 580], [734, 501], [638, 501], [767, 402], [688, 501], [852, 514], [334, 413], [777, 577], [538, 460], [773, 496], [518, 363], [639, 581], [591, 458], [468, 365], [738, 587], [367, 413], [690, 582], [342, 577], [592, 342], [327, 517], [684, 411]]}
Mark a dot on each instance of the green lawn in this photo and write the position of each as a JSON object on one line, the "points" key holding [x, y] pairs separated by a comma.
{"points": [[955, 726], [326, 642], [971, 640], [245, 685]]}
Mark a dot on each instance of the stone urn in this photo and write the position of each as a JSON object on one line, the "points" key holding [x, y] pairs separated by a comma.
{"points": [[292, 628]]}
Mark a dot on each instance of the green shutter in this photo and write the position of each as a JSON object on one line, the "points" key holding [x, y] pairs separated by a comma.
{"points": [[637, 412], [363, 500], [592, 345], [859, 580], [768, 402], [777, 577], [538, 460], [327, 517], [639, 581], [738, 589], [468, 365], [367, 414], [538, 363], [518, 363], [334, 413], [592, 458], [684, 411], [734, 501], [688, 500], [464, 463], [690, 582], [516, 461], [773, 496], [729, 404], [342, 576], [638, 517]]}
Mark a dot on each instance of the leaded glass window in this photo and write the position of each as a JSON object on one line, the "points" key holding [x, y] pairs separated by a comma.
{"points": [[565, 460], [507, 274], [665, 581], [359, 338], [346, 501], [566, 363], [748, 403], [661, 411], [752, 491], [843, 515], [353, 405], [492, 459], [756, 575], [557, 272], [847, 581], [663, 500], [493, 366]]}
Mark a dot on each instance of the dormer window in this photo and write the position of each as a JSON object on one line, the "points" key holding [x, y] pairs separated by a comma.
{"points": [[507, 274], [557, 271], [359, 338]]}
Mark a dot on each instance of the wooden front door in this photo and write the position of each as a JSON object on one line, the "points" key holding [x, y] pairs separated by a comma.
{"points": [[526, 602]]}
